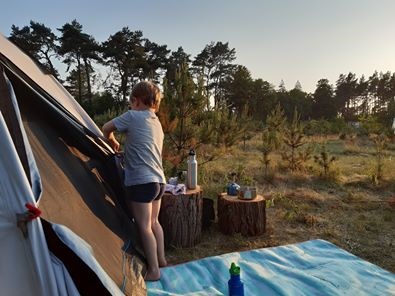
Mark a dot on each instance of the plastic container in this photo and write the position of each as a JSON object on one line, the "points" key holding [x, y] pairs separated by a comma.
{"points": [[191, 170], [235, 285]]}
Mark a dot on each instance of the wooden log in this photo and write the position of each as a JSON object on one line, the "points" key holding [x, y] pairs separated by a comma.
{"points": [[181, 218], [247, 217]]}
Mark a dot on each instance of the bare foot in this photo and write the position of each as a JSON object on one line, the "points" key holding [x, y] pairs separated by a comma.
{"points": [[162, 262], [152, 276]]}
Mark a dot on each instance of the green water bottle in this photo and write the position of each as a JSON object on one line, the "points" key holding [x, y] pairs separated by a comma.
{"points": [[235, 285]]}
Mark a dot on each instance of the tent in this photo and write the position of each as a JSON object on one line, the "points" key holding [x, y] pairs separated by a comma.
{"points": [[53, 157]]}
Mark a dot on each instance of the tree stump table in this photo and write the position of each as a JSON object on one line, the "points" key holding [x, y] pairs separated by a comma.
{"points": [[247, 217], [181, 218]]}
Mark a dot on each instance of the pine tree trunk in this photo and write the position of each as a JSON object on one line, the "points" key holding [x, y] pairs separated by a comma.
{"points": [[247, 217], [181, 218]]}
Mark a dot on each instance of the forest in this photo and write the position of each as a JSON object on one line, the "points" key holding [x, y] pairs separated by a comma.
{"points": [[208, 99], [127, 57]]}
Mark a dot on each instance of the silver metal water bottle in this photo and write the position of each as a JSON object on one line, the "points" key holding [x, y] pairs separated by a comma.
{"points": [[192, 170]]}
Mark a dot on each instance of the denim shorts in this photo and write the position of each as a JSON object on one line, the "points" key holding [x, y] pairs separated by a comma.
{"points": [[145, 192]]}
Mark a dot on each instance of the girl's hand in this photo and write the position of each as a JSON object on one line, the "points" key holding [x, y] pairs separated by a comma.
{"points": [[108, 132], [114, 144]]}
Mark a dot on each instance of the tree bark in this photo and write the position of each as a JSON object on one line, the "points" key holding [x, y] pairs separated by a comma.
{"points": [[247, 217], [181, 218]]}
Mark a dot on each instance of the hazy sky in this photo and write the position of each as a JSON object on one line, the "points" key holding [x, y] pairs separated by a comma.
{"points": [[292, 40]]}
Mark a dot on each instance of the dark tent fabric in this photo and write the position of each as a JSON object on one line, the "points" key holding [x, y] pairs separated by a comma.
{"points": [[81, 183]]}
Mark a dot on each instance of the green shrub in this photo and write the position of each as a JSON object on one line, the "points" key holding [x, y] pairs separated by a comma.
{"points": [[109, 114], [317, 127]]}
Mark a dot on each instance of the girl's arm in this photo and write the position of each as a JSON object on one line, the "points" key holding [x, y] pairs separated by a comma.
{"points": [[108, 132]]}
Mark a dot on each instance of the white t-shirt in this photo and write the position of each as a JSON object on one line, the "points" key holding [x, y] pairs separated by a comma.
{"points": [[143, 147]]}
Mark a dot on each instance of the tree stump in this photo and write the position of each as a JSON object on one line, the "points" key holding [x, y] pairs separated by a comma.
{"points": [[181, 218], [247, 217]]}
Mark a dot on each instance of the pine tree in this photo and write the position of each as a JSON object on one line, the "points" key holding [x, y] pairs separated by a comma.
{"points": [[293, 139], [272, 135], [380, 142], [180, 115], [266, 148], [275, 123], [324, 160], [187, 123]]}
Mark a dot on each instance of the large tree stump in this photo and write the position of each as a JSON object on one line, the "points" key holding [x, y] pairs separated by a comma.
{"points": [[247, 217], [181, 218]]}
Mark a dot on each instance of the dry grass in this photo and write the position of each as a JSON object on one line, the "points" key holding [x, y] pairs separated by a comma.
{"points": [[348, 210]]}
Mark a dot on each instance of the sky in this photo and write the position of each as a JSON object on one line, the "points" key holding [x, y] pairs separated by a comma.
{"points": [[289, 40]]}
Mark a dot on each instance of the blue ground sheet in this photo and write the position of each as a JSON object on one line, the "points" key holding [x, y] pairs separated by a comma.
{"points": [[315, 267]]}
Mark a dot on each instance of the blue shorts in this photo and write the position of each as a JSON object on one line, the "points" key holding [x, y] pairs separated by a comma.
{"points": [[145, 192]]}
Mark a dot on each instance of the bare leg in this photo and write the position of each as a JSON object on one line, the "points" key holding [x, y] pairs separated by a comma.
{"points": [[158, 232], [142, 213]]}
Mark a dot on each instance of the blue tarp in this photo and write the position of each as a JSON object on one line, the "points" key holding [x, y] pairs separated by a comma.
{"points": [[315, 267]]}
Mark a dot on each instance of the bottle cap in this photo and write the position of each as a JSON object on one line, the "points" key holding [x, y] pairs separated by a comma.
{"points": [[234, 269], [192, 152]]}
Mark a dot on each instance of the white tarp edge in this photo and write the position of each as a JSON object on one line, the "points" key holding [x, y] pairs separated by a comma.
{"points": [[34, 174], [25, 267], [66, 285], [84, 251]]}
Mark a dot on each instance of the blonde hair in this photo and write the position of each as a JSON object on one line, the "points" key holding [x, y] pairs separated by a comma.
{"points": [[148, 92]]}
